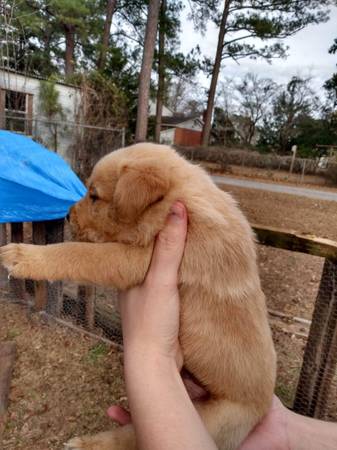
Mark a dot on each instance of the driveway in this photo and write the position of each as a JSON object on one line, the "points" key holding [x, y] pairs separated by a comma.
{"points": [[272, 187]]}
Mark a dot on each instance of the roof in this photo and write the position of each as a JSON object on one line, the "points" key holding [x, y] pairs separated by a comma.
{"points": [[37, 77], [175, 120]]}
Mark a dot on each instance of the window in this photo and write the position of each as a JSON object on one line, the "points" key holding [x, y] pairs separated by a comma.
{"points": [[15, 111]]}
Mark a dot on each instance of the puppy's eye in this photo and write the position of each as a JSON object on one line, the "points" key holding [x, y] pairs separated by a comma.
{"points": [[94, 197]]}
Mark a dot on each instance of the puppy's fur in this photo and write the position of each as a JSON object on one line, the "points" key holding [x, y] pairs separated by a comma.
{"points": [[225, 337]]}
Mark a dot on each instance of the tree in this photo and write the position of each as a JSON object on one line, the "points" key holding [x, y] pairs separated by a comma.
{"points": [[51, 108], [170, 61], [186, 95], [54, 35], [331, 84], [295, 101], [254, 96], [242, 20], [312, 132], [25, 39], [161, 70], [145, 73], [111, 6]]}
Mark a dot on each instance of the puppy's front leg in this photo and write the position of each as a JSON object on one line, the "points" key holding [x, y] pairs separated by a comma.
{"points": [[110, 264]]}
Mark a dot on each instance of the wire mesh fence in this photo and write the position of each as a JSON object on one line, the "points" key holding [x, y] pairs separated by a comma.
{"points": [[82, 145], [303, 314]]}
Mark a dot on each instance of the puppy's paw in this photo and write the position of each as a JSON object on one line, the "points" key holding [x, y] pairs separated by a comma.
{"points": [[22, 260], [121, 438], [75, 444], [88, 443]]}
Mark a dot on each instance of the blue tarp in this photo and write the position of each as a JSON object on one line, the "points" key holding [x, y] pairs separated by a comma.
{"points": [[35, 183]]}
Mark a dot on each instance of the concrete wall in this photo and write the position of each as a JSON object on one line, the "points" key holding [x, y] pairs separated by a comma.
{"points": [[69, 97]]}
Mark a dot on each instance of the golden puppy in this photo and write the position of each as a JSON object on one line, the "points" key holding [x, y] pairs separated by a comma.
{"points": [[225, 337]]}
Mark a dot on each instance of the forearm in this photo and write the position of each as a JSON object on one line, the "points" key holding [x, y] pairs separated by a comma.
{"points": [[162, 412], [311, 434]]}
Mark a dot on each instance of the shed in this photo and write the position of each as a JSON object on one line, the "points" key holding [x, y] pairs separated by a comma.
{"points": [[181, 130]]}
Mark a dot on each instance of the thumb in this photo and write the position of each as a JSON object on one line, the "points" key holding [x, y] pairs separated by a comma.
{"points": [[169, 247]]}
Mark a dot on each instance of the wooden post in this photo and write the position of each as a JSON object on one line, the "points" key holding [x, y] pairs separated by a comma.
{"points": [[17, 286], [294, 150], [320, 357], [303, 170], [7, 359], [55, 234], [41, 291], [89, 304], [2, 108], [84, 311], [3, 234], [29, 116]]}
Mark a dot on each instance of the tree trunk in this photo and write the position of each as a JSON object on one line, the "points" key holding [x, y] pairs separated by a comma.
{"points": [[145, 73], [70, 48], [161, 72], [215, 74], [111, 6]]}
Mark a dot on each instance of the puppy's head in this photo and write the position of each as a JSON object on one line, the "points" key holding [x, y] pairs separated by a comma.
{"points": [[128, 196]]}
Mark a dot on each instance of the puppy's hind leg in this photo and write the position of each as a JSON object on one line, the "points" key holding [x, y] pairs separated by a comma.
{"points": [[227, 422], [122, 438]]}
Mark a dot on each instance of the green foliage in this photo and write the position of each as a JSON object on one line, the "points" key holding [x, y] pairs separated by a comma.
{"points": [[49, 99], [263, 19], [96, 353], [292, 103], [312, 132], [331, 84]]}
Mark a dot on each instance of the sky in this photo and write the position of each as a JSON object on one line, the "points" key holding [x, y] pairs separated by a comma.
{"points": [[307, 55]]}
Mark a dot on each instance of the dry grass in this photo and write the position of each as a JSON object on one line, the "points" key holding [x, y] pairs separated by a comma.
{"points": [[62, 384]]}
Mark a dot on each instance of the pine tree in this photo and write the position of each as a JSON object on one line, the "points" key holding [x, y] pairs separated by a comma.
{"points": [[241, 20]]}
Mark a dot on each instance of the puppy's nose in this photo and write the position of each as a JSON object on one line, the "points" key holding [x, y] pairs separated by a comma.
{"points": [[68, 217]]}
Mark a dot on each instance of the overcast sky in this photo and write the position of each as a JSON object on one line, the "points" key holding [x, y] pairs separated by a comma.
{"points": [[307, 55]]}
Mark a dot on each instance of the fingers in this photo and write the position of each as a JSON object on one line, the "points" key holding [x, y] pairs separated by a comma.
{"points": [[169, 247], [119, 415]]}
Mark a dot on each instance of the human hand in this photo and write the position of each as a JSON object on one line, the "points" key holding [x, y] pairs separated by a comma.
{"points": [[271, 433], [150, 312]]}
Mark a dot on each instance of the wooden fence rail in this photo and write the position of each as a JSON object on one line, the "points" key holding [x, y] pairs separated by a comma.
{"points": [[320, 356]]}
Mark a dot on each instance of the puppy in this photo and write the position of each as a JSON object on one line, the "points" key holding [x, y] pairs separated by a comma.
{"points": [[224, 334]]}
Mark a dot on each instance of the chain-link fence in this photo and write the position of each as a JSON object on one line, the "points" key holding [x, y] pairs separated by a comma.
{"points": [[81, 145], [302, 308], [91, 307]]}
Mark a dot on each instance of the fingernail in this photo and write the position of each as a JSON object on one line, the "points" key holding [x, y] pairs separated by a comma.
{"points": [[177, 211]]}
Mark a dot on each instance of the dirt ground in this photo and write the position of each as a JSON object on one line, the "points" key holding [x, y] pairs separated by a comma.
{"points": [[62, 385], [63, 382], [293, 213]]}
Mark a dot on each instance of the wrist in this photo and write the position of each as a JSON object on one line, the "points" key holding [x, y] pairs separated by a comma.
{"points": [[152, 355], [148, 358]]}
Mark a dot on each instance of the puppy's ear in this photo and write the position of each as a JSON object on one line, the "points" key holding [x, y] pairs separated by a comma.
{"points": [[140, 185]]}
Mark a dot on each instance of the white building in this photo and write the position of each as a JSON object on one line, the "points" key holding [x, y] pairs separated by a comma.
{"points": [[177, 128], [20, 110]]}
